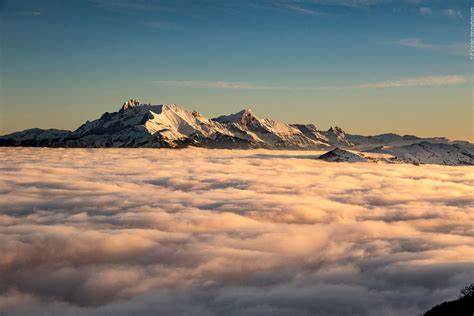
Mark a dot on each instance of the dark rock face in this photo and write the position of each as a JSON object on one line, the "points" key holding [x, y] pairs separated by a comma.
{"points": [[341, 155], [224, 142], [35, 137]]}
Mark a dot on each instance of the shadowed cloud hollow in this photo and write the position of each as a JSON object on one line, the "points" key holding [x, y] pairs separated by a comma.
{"points": [[220, 232]]}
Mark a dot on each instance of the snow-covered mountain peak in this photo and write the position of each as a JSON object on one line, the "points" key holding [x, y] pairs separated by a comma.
{"points": [[336, 130], [172, 107], [243, 117], [139, 124], [427, 152], [178, 109], [336, 135], [135, 107]]}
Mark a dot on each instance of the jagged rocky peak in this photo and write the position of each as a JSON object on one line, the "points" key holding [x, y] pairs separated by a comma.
{"points": [[247, 116], [131, 103], [196, 113], [243, 117], [171, 126], [336, 130]]}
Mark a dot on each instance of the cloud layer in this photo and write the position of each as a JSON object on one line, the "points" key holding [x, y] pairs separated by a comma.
{"points": [[206, 232]]}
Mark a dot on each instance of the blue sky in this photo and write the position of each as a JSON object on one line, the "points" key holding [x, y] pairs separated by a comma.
{"points": [[370, 66]]}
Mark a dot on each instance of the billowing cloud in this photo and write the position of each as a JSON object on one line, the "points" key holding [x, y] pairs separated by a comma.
{"points": [[221, 232]]}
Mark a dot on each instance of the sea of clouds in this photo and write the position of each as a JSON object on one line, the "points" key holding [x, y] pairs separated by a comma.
{"points": [[220, 232]]}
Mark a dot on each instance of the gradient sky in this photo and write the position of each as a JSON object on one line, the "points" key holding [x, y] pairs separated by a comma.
{"points": [[369, 66]]}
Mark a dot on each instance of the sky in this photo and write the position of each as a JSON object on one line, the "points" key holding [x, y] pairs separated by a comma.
{"points": [[369, 66]]}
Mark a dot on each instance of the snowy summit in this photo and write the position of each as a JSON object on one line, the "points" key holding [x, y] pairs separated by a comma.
{"points": [[138, 124]]}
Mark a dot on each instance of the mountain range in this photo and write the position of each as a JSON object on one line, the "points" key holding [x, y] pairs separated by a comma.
{"points": [[137, 124]]}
